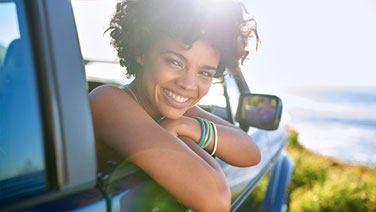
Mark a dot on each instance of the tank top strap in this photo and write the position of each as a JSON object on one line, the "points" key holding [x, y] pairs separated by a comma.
{"points": [[127, 88]]}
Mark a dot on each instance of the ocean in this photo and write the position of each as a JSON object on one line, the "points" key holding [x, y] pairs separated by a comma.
{"points": [[335, 121]]}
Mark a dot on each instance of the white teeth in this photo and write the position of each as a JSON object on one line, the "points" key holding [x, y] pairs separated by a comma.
{"points": [[177, 98]]}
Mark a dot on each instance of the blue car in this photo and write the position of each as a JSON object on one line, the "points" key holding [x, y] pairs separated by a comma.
{"points": [[48, 158]]}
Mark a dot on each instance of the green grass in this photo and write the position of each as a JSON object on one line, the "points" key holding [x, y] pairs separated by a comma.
{"points": [[321, 183]]}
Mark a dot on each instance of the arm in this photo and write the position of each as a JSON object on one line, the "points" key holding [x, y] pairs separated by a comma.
{"points": [[202, 153], [123, 125], [234, 145]]}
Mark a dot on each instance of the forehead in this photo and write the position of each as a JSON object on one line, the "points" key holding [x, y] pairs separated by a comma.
{"points": [[199, 48]]}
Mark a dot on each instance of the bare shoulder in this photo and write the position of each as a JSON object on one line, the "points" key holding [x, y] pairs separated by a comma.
{"points": [[108, 96], [113, 107], [107, 91]]}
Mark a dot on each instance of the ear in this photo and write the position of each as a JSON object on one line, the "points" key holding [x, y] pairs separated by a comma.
{"points": [[140, 59]]}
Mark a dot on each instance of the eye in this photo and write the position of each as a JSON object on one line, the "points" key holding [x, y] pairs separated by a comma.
{"points": [[207, 74], [173, 62]]}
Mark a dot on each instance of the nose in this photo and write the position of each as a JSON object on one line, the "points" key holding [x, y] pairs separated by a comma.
{"points": [[187, 80]]}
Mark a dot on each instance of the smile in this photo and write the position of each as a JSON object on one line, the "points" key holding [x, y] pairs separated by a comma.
{"points": [[175, 96]]}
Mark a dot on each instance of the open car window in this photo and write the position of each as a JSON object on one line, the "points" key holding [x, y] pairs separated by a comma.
{"points": [[215, 101]]}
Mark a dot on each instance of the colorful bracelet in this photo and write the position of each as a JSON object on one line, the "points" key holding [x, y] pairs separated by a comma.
{"points": [[215, 139], [207, 142], [207, 128], [202, 129]]}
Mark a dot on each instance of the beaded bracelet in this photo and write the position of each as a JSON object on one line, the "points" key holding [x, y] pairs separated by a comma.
{"points": [[215, 139]]}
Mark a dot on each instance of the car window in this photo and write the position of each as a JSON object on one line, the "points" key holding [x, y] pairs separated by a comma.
{"points": [[215, 101], [22, 161], [233, 95]]}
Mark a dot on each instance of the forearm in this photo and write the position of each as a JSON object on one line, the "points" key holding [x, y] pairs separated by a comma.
{"points": [[234, 146], [202, 153]]}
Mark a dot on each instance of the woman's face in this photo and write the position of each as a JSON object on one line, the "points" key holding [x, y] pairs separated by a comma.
{"points": [[173, 77]]}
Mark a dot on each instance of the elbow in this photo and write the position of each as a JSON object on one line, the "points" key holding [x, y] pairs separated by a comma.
{"points": [[217, 200], [223, 206], [222, 202], [254, 157], [251, 155]]}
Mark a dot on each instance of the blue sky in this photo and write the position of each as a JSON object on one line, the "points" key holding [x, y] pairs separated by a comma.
{"points": [[8, 21], [313, 43]]}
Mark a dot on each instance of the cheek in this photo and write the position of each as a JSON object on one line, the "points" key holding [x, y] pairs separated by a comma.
{"points": [[154, 76], [204, 89], [159, 73]]}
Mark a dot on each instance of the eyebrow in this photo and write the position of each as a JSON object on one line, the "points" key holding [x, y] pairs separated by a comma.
{"points": [[210, 68], [185, 59], [176, 54]]}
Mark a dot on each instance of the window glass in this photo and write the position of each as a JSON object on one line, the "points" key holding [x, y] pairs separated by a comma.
{"points": [[215, 101], [22, 166], [233, 93]]}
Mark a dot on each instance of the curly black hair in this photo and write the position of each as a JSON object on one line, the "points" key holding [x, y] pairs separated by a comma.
{"points": [[136, 24]]}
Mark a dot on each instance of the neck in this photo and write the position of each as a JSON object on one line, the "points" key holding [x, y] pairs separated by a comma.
{"points": [[144, 101]]}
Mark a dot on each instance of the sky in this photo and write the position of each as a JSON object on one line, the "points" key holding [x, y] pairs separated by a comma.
{"points": [[8, 21], [328, 44], [313, 43]]}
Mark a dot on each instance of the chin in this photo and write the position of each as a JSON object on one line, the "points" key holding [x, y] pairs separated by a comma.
{"points": [[173, 114]]}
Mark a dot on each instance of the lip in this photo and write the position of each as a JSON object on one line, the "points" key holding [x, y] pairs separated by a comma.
{"points": [[173, 102]]}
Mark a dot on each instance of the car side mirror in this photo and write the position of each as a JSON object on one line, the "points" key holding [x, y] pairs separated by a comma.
{"points": [[260, 111]]}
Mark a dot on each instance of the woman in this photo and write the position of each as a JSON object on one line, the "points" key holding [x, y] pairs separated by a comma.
{"points": [[174, 48]]}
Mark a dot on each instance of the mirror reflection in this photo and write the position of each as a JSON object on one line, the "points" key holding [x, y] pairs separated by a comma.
{"points": [[259, 111]]}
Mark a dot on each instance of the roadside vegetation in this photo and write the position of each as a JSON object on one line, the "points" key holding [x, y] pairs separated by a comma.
{"points": [[321, 183]]}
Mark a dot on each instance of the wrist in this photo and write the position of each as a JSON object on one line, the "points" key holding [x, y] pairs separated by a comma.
{"points": [[191, 128]]}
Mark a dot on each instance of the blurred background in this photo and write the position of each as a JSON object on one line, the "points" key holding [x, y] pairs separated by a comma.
{"points": [[320, 58]]}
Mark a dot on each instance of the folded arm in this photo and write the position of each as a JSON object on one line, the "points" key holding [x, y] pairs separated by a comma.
{"points": [[234, 145]]}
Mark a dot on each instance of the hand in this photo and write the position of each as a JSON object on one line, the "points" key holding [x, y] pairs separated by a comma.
{"points": [[184, 126], [171, 125]]}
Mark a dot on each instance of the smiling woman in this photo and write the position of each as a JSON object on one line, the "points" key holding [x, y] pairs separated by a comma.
{"points": [[174, 49], [174, 77]]}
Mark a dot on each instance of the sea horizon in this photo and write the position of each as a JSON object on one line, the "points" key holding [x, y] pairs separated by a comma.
{"points": [[336, 121]]}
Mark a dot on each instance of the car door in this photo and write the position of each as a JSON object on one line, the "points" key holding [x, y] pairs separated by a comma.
{"points": [[46, 136]]}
